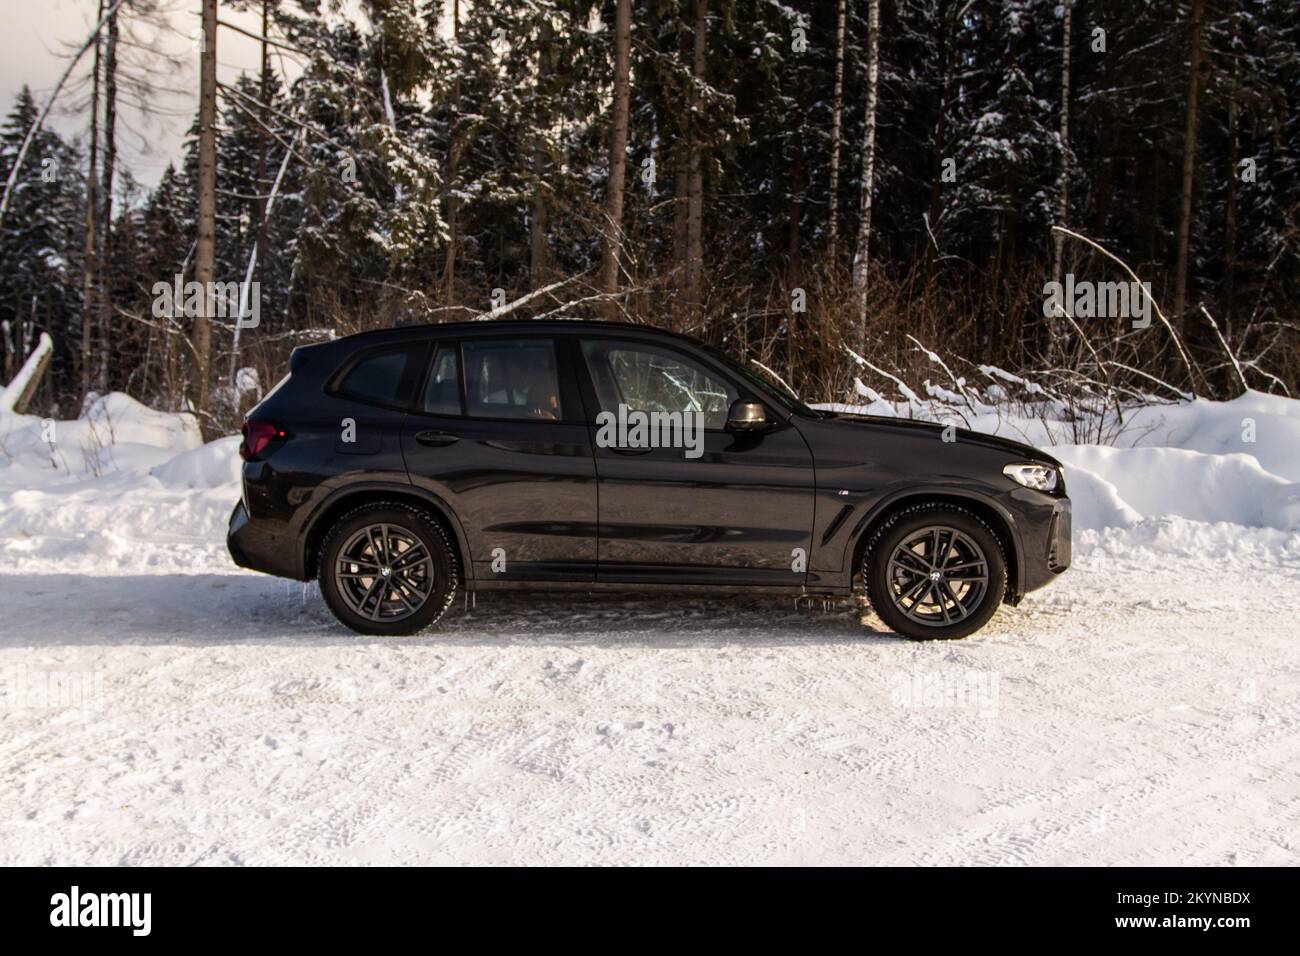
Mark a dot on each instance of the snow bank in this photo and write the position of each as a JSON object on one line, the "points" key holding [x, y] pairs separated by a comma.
{"points": [[116, 433], [210, 466], [1266, 427], [120, 490], [1234, 463], [1173, 481], [1096, 502]]}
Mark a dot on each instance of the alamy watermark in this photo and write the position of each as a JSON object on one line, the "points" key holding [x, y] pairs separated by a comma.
{"points": [[241, 301], [1098, 300], [130, 910], [976, 691], [631, 428], [41, 689]]}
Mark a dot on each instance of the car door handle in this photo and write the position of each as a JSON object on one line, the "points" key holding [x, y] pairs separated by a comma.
{"points": [[631, 451], [436, 439]]}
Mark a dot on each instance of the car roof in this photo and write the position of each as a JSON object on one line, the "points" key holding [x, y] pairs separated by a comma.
{"points": [[494, 326]]}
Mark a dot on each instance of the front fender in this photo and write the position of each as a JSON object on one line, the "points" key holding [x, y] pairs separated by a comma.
{"points": [[834, 554]]}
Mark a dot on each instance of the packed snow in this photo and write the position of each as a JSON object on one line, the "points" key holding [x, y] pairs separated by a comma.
{"points": [[162, 706]]}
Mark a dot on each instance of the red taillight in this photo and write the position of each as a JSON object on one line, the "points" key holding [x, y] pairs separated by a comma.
{"points": [[257, 438]]}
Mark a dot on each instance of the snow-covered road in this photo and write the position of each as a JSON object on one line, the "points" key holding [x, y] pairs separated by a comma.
{"points": [[1129, 714], [158, 706]]}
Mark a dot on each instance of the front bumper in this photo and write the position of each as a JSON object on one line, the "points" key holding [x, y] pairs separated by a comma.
{"points": [[1047, 546]]}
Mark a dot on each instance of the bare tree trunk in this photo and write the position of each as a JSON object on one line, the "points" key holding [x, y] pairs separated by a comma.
{"points": [[940, 135], [537, 221], [453, 168], [695, 170], [110, 161], [19, 333], [246, 289], [1054, 326], [833, 227], [205, 252], [794, 212], [89, 271], [1189, 162], [681, 186], [617, 149], [264, 136], [861, 261], [1063, 174], [1234, 157]]}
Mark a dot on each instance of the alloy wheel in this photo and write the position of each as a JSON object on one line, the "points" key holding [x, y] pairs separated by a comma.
{"points": [[937, 576], [384, 573]]}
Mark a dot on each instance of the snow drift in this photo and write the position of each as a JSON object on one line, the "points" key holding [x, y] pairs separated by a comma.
{"points": [[122, 489], [1236, 462]]}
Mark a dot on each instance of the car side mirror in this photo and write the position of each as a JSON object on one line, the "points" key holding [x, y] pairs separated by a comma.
{"points": [[746, 416]]}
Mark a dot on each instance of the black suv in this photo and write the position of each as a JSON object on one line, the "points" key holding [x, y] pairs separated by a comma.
{"points": [[402, 465]]}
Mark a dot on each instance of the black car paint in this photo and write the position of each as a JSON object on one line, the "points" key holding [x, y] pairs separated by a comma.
{"points": [[569, 514]]}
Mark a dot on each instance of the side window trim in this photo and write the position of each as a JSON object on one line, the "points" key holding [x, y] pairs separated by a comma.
{"points": [[431, 357]]}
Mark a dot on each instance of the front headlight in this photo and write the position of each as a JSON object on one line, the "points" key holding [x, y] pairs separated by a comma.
{"points": [[1038, 477]]}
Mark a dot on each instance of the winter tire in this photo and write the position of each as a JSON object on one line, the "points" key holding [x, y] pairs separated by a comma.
{"points": [[935, 572], [388, 568]]}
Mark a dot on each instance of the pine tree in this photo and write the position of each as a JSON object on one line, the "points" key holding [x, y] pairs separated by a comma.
{"points": [[40, 266]]}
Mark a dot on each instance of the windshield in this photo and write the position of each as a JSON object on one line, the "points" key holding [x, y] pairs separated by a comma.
{"points": [[782, 397]]}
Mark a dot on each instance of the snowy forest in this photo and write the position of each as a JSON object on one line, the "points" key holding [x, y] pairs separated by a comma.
{"points": [[861, 195]]}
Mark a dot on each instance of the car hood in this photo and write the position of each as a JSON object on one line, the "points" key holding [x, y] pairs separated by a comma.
{"points": [[965, 435]]}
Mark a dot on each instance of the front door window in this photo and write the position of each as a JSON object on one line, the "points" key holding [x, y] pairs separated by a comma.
{"points": [[647, 378]]}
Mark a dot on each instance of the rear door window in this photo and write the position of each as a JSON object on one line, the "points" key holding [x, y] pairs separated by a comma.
{"points": [[512, 378]]}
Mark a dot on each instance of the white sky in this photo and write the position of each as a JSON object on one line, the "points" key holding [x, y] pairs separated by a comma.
{"points": [[36, 36]]}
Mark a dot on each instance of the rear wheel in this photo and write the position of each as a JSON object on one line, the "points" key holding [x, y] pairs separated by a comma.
{"points": [[388, 568], [935, 572]]}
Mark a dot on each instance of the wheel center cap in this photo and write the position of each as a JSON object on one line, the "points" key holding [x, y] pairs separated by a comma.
{"points": [[936, 575], [385, 572]]}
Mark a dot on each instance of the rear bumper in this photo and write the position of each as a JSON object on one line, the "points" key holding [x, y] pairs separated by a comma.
{"points": [[256, 549]]}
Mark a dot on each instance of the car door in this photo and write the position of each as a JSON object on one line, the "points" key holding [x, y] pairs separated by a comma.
{"points": [[498, 431], [735, 510]]}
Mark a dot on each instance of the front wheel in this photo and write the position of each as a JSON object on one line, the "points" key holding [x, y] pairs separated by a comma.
{"points": [[387, 568], [935, 572]]}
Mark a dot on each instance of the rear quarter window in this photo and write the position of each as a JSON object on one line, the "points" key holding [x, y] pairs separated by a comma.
{"points": [[382, 376]]}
